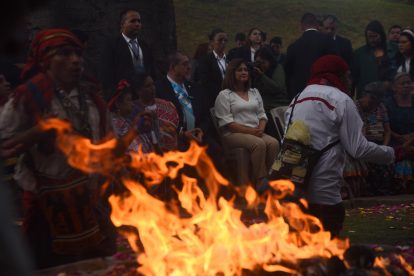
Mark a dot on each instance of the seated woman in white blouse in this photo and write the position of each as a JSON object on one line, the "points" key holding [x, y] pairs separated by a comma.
{"points": [[241, 116]]}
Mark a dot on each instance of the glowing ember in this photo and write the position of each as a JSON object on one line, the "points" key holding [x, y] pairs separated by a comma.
{"points": [[201, 235]]}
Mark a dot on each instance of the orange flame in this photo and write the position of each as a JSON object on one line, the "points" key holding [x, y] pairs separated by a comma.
{"points": [[211, 237]]}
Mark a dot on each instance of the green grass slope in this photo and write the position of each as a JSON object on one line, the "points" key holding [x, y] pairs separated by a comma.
{"points": [[195, 18]]}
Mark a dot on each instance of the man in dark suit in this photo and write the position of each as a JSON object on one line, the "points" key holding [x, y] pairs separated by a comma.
{"points": [[343, 45], [302, 53], [188, 97], [212, 67], [125, 55]]}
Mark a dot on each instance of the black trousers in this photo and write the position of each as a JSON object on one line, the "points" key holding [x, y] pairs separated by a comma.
{"points": [[331, 216]]}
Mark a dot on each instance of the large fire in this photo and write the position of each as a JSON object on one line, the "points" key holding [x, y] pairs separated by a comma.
{"points": [[200, 234]]}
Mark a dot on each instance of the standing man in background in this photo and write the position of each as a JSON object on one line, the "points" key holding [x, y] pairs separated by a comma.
{"points": [[125, 55], [393, 39], [343, 45], [302, 53], [212, 67]]}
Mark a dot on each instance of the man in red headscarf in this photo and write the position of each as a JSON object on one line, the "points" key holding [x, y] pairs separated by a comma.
{"points": [[61, 221], [330, 116]]}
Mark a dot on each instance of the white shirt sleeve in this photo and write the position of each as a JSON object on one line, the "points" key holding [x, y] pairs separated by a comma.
{"points": [[261, 114], [13, 119], [222, 109], [354, 142]]}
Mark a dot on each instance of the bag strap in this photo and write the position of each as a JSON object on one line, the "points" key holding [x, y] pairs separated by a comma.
{"points": [[328, 147], [291, 112]]}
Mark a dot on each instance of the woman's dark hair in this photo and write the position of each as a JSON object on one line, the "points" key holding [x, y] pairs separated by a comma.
{"points": [[409, 33], [137, 83], [376, 27], [400, 59], [201, 50], [248, 42], [229, 81], [214, 32], [266, 53]]}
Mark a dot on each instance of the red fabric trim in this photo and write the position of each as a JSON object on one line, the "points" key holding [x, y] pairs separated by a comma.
{"points": [[328, 105]]}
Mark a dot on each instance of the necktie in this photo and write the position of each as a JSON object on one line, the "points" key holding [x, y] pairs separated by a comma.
{"points": [[184, 100], [135, 49], [137, 61]]}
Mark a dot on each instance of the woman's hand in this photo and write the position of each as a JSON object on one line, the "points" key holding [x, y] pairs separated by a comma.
{"points": [[257, 132], [143, 120]]}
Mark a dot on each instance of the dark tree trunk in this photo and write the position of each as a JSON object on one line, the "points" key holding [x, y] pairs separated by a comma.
{"points": [[99, 19]]}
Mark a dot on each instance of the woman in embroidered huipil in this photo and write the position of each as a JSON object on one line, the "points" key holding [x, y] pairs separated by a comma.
{"points": [[156, 119]]}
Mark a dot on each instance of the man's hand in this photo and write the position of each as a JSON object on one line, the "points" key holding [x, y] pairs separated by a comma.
{"points": [[194, 134], [10, 148]]}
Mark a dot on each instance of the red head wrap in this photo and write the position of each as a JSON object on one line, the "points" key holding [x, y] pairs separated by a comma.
{"points": [[44, 46], [328, 70], [122, 85]]}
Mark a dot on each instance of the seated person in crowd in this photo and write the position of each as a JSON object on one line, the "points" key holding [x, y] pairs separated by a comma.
{"points": [[155, 120], [364, 177], [187, 97], [241, 115], [400, 108], [269, 80]]}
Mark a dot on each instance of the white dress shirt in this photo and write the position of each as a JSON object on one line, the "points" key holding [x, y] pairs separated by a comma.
{"points": [[134, 58], [221, 62], [230, 107]]}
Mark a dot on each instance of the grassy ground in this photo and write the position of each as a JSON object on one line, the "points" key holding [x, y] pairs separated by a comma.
{"points": [[196, 18], [389, 225]]}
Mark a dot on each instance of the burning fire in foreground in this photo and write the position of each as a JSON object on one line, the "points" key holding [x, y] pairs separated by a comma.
{"points": [[210, 238]]}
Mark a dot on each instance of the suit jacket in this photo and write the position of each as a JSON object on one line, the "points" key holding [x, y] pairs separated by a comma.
{"points": [[300, 56], [210, 78], [165, 91], [399, 60], [241, 52], [344, 48], [116, 63]]}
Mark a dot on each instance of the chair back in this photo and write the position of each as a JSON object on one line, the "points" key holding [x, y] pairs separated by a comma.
{"points": [[278, 118]]}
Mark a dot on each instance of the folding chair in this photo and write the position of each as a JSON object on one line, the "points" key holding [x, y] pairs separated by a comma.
{"points": [[239, 156], [278, 117]]}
